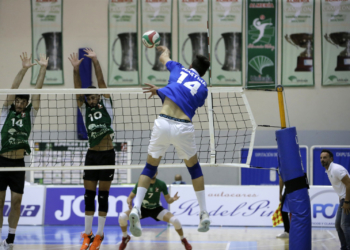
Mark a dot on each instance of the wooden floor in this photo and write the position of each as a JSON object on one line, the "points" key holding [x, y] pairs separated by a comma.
{"points": [[162, 238]]}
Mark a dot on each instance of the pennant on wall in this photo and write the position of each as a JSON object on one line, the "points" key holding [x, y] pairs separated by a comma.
{"points": [[226, 42], [298, 43], [192, 33], [261, 43], [47, 38], [335, 42], [156, 15], [122, 43]]}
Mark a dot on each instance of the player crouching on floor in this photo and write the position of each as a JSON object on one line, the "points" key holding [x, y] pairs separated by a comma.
{"points": [[151, 208]]}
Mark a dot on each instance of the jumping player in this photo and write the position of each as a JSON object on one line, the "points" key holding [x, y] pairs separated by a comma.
{"points": [[97, 113], [16, 122], [185, 92], [151, 208]]}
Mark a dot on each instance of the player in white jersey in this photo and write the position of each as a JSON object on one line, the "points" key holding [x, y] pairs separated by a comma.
{"points": [[16, 121], [185, 92]]}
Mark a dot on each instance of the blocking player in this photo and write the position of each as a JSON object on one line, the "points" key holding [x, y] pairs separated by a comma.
{"points": [[185, 92], [151, 208], [97, 113], [16, 122]]}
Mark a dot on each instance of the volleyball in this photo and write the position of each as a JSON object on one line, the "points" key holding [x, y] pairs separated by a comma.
{"points": [[151, 38]]}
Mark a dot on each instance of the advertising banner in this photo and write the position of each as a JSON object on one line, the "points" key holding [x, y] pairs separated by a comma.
{"points": [[156, 15], [122, 43], [192, 31], [65, 206], [261, 43], [298, 42], [335, 23], [248, 205], [47, 39], [32, 207], [341, 155], [265, 157], [226, 42]]}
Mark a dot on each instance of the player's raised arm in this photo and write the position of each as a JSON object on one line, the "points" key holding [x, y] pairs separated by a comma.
{"points": [[165, 56], [40, 80], [77, 81], [26, 64], [98, 71]]}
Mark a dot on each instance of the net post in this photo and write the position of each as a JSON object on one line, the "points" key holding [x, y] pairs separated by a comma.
{"points": [[211, 126], [254, 126], [279, 89]]}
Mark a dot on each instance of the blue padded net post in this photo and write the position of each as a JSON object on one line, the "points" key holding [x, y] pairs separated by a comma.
{"points": [[297, 202]]}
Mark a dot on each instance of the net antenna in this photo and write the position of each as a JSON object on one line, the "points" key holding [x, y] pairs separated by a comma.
{"points": [[223, 126]]}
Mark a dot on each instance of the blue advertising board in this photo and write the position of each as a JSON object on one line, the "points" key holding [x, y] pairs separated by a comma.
{"points": [[65, 206], [264, 157], [341, 155]]}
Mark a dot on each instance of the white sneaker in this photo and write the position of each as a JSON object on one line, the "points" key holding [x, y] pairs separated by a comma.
{"points": [[283, 235], [204, 222], [135, 225], [5, 246]]}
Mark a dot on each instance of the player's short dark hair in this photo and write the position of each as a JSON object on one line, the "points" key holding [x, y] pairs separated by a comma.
{"points": [[327, 151], [25, 97], [201, 64], [90, 87]]}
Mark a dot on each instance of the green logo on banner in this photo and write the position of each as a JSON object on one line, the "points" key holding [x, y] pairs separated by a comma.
{"points": [[260, 62], [260, 30]]}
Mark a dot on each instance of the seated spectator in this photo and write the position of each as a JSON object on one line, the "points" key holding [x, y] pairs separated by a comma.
{"points": [[178, 179]]}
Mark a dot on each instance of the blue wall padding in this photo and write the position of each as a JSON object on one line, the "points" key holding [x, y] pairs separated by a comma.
{"points": [[288, 147], [296, 202], [85, 70]]}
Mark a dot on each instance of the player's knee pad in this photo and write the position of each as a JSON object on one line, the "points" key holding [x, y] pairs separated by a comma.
{"points": [[103, 201], [123, 219], [195, 171], [89, 198], [175, 222], [149, 170]]}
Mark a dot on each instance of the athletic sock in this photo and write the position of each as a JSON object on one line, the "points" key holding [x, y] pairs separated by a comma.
{"points": [[11, 236], [0, 232], [140, 195], [88, 223], [125, 234], [201, 200], [101, 225], [182, 237]]}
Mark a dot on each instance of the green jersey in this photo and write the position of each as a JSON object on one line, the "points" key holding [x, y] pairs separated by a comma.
{"points": [[98, 120], [15, 128], [152, 197]]}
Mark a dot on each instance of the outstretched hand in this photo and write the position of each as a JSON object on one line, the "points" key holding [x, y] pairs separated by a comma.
{"points": [[163, 48], [75, 60], [150, 89], [26, 62], [90, 53], [43, 60], [175, 198]]}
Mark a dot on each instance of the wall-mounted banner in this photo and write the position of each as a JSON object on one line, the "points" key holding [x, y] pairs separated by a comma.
{"points": [[226, 42], [335, 42], [156, 15], [298, 43], [261, 43], [248, 205], [122, 43], [65, 205], [192, 33], [47, 39]]}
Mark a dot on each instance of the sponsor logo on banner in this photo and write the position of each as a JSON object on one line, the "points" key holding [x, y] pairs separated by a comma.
{"points": [[31, 207], [122, 1], [66, 206], [156, 1], [46, 1], [249, 206], [192, 1]]}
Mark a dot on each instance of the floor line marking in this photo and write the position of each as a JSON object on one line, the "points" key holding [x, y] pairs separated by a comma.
{"points": [[331, 234], [161, 232], [228, 245]]}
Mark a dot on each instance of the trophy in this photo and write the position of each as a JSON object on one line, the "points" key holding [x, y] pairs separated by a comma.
{"points": [[129, 61], [341, 39], [233, 53], [199, 42], [303, 40], [53, 44], [165, 40]]}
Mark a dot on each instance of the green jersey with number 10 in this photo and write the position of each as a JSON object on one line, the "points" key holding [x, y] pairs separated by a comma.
{"points": [[98, 120], [15, 128]]}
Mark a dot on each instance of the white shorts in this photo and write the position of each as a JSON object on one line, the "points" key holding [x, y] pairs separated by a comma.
{"points": [[166, 132]]}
